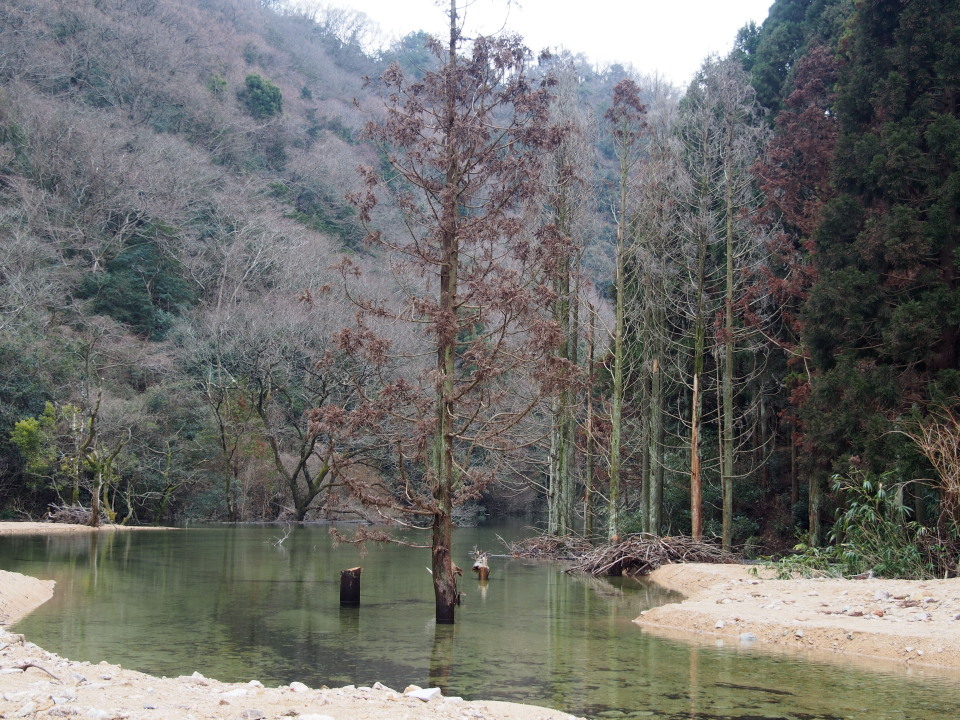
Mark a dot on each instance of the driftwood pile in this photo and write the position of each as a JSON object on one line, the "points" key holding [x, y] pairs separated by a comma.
{"points": [[643, 553], [549, 547], [633, 555], [76, 514]]}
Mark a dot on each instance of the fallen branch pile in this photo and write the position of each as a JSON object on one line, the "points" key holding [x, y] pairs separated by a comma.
{"points": [[553, 547], [643, 553], [75, 514]]}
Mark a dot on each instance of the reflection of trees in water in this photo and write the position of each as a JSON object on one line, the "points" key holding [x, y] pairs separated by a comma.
{"points": [[441, 656]]}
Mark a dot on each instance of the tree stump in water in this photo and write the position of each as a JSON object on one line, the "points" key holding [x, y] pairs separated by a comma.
{"points": [[482, 568], [350, 587]]}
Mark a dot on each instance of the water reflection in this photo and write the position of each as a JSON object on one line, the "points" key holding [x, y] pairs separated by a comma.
{"points": [[232, 604]]}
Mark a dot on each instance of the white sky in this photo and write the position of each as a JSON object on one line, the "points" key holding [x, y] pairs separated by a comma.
{"points": [[671, 37]]}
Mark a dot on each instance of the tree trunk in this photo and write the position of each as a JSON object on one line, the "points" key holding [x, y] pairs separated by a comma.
{"points": [[656, 448], [696, 482], [728, 369], [616, 401], [444, 582], [591, 445]]}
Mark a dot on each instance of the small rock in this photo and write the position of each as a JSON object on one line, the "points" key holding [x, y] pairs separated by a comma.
{"points": [[881, 595], [29, 709], [380, 686], [748, 638], [453, 699], [719, 624], [411, 688], [426, 695], [252, 714], [238, 692], [908, 649], [798, 633], [255, 684], [919, 652], [10, 671], [149, 707], [298, 687]]}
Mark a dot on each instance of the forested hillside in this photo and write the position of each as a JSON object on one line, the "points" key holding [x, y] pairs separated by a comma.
{"points": [[731, 311]]}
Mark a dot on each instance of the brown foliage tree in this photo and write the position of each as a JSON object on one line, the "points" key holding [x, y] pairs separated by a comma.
{"points": [[464, 149]]}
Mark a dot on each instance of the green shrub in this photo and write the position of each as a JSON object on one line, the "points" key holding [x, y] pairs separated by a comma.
{"points": [[871, 533], [261, 97], [141, 288]]}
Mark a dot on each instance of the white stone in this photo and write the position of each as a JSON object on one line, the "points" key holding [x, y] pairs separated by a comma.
{"points": [[298, 687], [255, 683], [426, 695], [798, 633], [29, 709], [747, 638], [719, 624], [238, 692]]}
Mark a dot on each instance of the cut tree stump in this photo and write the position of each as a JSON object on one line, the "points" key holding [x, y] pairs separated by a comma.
{"points": [[481, 567], [350, 587]]}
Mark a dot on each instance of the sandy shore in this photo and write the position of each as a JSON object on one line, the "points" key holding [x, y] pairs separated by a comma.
{"points": [[42, 528], [871, 622], [39, 684]]}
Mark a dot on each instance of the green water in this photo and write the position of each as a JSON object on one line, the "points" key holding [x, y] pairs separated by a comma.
{"points": [[231, 604]]}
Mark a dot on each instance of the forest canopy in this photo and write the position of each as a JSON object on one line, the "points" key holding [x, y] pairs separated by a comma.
{"points": [[729, 310]]}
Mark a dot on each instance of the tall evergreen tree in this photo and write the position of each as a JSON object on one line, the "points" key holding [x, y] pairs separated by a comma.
{"points": [[882, 323]]}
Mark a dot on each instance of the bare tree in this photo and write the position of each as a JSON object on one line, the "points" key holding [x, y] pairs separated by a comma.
{"points": [[722, 135], [627, 117], [567, 195], [464, 148]]}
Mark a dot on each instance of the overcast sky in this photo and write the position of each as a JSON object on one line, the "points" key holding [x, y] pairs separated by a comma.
{"points": [[667, 36]]}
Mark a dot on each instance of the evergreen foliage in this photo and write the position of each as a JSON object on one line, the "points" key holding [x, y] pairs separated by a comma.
{"points": [[261, 97]]}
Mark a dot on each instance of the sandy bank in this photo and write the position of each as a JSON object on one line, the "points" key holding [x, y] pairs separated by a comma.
{"points": [[905, 622], [39, 684], [42, 528]]}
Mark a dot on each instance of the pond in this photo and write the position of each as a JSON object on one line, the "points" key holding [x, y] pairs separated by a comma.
{"points": [[235, 604]]}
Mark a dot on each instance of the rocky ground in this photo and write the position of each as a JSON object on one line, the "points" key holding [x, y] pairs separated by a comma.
{"points": [[38, 684], [904, 622]]}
